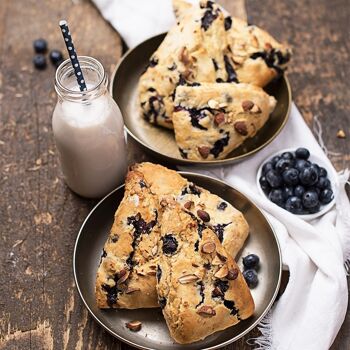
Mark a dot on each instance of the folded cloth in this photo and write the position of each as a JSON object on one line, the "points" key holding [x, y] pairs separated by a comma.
{"points": [[311, 310]]}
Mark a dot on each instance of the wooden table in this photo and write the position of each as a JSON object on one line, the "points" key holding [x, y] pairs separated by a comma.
{"points": [[40, 217]]}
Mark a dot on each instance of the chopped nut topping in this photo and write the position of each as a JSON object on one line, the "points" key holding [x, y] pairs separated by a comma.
{"points": [[208, 247], [341, 134], [188, 204], [154, 250], [222, 273], [203, 215], [184, 57], [232, 274], [123, 276], [221, 257], [241, 128], [255, 109], [206, 311], [219, 118], [247, 105], [213, 104], [204, 151], [217, 292], [134, 326], [268, 46], [188, 279]]}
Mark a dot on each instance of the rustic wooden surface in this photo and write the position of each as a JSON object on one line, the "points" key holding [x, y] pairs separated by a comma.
{"points": [[40, 217]]}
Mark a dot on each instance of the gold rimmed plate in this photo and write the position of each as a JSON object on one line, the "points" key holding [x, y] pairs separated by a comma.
{"points": [[154, 333], [159, 141]]}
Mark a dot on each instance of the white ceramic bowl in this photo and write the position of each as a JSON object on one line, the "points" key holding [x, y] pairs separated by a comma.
{"points": [[331, 174]]}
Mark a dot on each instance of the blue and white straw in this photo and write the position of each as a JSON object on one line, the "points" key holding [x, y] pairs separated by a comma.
{"points": [[73, 55]]}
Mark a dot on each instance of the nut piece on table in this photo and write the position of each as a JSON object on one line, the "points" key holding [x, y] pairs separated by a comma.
{"points": [[134, 326], [341, 134]]}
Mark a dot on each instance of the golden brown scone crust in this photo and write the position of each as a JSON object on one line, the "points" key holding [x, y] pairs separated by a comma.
{"points": [[206, 46], [200, 287], [211, 120], [131, 250], [228, 222]]}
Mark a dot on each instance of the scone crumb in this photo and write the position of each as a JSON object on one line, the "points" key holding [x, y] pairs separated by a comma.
{"points": [[341, 134], [134, 326]]}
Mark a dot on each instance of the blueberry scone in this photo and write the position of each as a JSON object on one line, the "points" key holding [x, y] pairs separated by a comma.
{"points": [[227, 222], [206, 46], [211, 120], [200, 288], [126, 275]]}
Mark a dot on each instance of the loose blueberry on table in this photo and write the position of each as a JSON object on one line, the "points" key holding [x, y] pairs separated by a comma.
{"points": [[294, 183]]}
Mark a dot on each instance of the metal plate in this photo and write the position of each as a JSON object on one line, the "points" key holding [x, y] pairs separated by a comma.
{"points": [[154, 333], [160, 141]]}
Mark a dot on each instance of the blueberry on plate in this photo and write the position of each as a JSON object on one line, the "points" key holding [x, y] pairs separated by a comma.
{"points": [[40, 45], [302, 153], [276, 196], [301, 164], [283, 164], [275, 159], [326, 196], [56, 57], [39, 62], [291, 176], [274, 179], [299, 191], [294, 205], [310, 199], [251, 277], [267, 167], [323, 183], [323, 172], [287, 192], [264, 184], [251, 261], [287, 155], [308, 176]]}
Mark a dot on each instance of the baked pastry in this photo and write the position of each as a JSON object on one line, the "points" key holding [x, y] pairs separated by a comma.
{"points": [[206, 46], [126, 275], [211, 120], [200, 287], [227, 222]]}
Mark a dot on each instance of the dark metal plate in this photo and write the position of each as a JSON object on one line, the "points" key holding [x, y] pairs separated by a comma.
{"points": [[160, 141], [154, 333]]}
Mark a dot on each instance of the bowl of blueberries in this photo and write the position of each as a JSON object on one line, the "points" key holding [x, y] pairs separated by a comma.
{"points": [[298, 182]]}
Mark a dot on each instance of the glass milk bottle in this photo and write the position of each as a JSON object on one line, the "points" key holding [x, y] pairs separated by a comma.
{"points": [[88, 131]]}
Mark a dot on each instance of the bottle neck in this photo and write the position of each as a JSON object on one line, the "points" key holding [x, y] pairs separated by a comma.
{"points": [[95, 78]]}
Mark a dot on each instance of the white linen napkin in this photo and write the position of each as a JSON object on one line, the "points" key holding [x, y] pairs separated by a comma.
{"points": [[310, 312]]}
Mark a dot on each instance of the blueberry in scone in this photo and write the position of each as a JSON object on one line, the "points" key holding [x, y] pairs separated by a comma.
{"points": [[126, 277], [213, 119], [201, 291]]}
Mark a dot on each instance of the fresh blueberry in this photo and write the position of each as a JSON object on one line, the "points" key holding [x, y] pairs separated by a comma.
{"points": [[294, 205], [302, 153], [323, 172], [314, 188], [287, 192], [40, 45], [301, 164], [299, 191], [251, 261], [315, 209], [56, 57], [276, 196], [39, 62], [283, 164], [326, 196], [264, 184], [287, 155], [267, 167], [323, 183], [251, 278], [308, 176], [275, 159], [310, 199], [274, 179], [316, 167], [291, 176]]}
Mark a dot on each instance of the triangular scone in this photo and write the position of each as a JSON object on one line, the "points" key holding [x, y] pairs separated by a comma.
{"points": [[126, 275], [200, 287], [190, 53], [227, 222], [211, 120]]}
